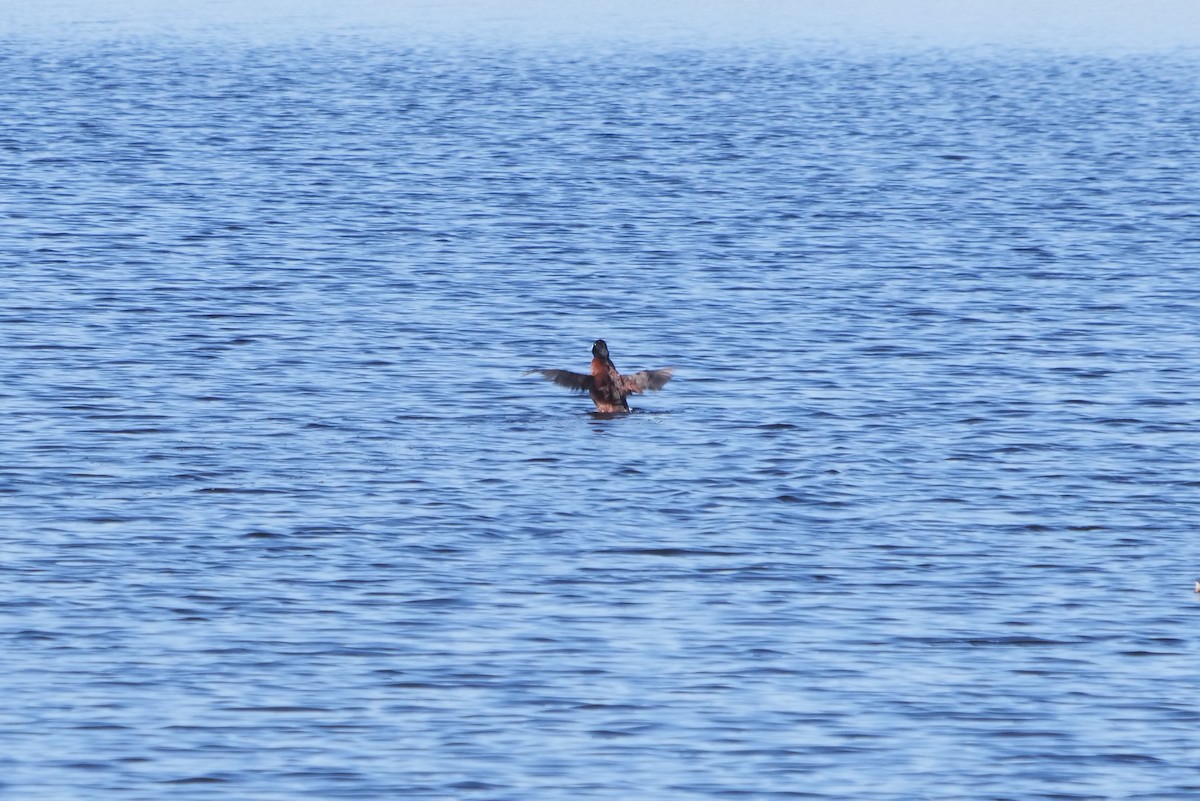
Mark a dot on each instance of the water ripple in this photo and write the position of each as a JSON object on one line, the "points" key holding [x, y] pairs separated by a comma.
{"points": [[915, 519]]}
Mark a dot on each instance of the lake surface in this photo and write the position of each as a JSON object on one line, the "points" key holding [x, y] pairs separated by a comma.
{"points": [[282, 518]]}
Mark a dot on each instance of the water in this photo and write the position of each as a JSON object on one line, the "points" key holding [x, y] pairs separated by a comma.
{"points": [[283, 519]]}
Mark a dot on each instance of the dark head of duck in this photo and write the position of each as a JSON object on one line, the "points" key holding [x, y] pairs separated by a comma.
{"points": [[600, 351]]}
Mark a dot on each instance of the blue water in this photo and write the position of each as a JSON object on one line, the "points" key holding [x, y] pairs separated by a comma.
{"points": [[282, 518]]}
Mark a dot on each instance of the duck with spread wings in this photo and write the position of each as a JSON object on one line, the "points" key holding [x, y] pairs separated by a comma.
{"points": [[607, 387]]}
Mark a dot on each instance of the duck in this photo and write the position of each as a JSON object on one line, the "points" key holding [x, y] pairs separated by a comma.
{"points": [[607, 387]]}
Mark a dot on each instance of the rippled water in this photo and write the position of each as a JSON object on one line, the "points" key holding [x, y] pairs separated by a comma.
{"points": [[283, 519]]}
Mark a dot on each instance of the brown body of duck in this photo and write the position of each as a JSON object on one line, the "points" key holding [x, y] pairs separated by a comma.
{"points": [[607, 387]]}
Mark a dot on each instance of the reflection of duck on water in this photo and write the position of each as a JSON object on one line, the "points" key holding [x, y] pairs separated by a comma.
{"points": [[607, 387]]}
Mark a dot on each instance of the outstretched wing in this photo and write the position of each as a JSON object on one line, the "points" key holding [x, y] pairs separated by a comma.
{"points": [[647, 379], [565, 378]]}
